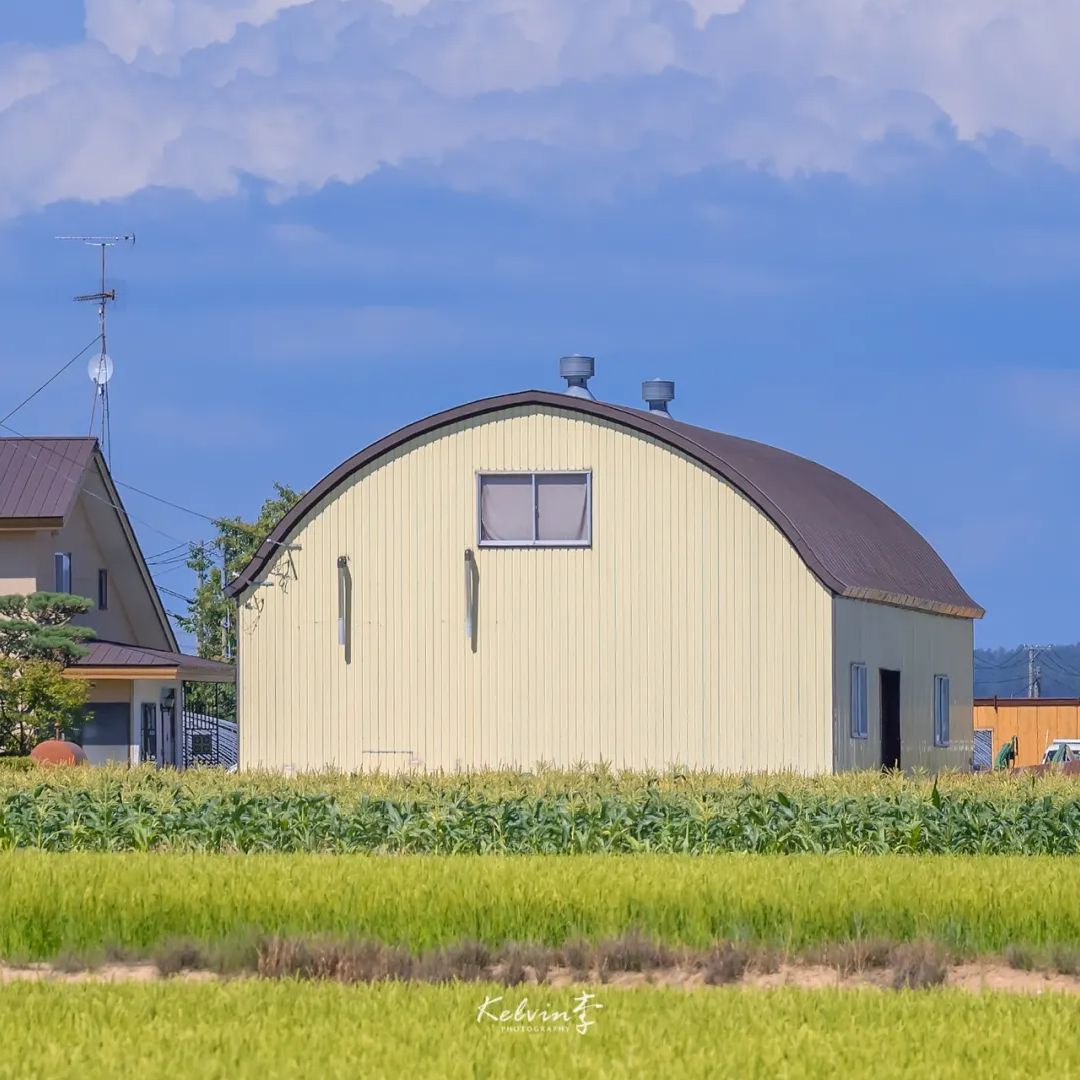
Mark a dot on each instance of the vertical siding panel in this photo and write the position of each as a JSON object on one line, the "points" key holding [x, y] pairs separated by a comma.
{"points": [[690, 631], [919, 645]]}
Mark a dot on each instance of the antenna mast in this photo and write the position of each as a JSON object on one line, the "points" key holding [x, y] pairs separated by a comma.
{"points": [[100, 367]]}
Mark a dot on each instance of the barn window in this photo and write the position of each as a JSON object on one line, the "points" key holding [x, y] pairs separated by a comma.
{"points": [[941, 710], [535, 509], [858, 702]]}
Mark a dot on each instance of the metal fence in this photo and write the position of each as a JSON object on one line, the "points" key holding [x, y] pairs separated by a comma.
{"points": [[209, 740], [984, 749]]}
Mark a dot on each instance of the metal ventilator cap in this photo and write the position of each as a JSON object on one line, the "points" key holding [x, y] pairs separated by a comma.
{"points": [[577, 371], [658, 392]]}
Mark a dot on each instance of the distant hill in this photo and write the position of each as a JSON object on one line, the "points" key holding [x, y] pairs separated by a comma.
{"points": [[1004, 672]]}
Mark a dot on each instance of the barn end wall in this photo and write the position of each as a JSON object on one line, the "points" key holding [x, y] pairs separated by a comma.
{"points": [[919, 646], [690, 632]]}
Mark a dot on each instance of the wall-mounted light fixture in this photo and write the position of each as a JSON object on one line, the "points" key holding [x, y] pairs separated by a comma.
{"points": [[342, 577], [471, 589]]}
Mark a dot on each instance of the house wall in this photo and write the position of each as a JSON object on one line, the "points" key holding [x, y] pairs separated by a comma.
{"points": [[918, 645], [80, 539], [1035, 722], [18, 563], [133, 693], [109, 692], [153, 691], [689, 632], [27, 564]]}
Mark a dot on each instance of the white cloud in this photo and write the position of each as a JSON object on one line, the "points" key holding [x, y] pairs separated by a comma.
{"points": [[509, 93]]}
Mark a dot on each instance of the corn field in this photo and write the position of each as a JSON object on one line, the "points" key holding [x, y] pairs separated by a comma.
{"points": [[347, 789], [972, 905], [248, 1030], [200, 813]]}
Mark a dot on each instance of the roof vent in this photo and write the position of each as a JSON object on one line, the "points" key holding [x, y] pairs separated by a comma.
{"points": [[577, 371], [658, 392]]}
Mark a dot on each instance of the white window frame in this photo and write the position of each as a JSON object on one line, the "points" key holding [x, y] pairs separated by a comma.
{"points": [[859, 696], [535, 542], [941, 710], [62, 566]]}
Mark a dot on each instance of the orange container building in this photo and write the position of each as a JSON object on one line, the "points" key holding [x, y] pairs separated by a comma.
{"points": [[1035, 722]]}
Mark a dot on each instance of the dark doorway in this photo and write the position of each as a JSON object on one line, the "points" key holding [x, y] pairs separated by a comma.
{"points": [[106, 733], [890, 719]]}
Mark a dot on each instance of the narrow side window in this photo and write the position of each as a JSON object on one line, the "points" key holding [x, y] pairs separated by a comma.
{"points": [[941, 710], [859, 726], [62, 561]]}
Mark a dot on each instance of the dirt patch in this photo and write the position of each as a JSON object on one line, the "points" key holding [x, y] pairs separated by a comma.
{"points": [[141, 972], [974, 977]]}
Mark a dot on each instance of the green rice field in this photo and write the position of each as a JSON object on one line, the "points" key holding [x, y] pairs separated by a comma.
{"points": [[253, 1029], [52, 903]]}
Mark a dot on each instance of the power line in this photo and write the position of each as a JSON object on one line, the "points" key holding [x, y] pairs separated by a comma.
{"points": [[174, 593], [1008, 661], [26, 401], [158, 498], [176, 551], [1056, 662]]}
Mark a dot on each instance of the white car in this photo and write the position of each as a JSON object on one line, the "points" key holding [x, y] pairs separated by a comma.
{"points": [[1062, 750]]}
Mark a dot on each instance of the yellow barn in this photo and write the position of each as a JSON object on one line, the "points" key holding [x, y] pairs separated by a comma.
{"points": [[544, 577]]}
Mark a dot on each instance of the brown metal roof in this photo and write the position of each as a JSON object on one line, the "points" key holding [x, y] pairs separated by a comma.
{"points": [[40, 478], [855, 544], [118, 655]]}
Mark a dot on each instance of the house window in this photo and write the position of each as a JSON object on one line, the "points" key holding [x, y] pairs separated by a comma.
{"points": [[859, 710], [535, 509], [63, 572], [941, 710], [103, 590]]}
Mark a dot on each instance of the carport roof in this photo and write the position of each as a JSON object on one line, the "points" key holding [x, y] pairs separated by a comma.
{"points": [[128, 660]]}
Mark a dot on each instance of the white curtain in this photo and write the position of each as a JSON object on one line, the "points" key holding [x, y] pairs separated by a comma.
{"points": [[506, 508], [562, 509]]}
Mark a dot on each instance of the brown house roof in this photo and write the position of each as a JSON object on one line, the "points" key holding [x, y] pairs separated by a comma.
{"points": [[113, 654], [40, 478], [855, 544]]}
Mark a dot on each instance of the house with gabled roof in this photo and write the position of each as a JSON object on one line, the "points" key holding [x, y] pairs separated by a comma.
{"points": [[63, 528]]}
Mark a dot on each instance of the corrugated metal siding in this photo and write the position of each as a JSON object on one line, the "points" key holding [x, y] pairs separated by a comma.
{"points": [[690, 632], [919, 646], [1035, 723]]}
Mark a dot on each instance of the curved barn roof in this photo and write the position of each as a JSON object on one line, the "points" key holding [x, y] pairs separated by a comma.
{"points": [[855, 544]]}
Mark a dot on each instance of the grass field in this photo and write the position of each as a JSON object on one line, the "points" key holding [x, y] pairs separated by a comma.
{"points": [[256, 1030], [549, 813], [75, 902]]}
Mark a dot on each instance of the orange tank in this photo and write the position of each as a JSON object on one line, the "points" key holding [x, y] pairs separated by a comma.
{"points": [[58, 752]]}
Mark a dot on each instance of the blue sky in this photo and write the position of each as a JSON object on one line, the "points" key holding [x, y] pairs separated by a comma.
{"points": [[848, 229]]}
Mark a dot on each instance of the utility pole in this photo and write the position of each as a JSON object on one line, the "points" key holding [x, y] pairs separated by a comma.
{"points": [[1034, 672]]}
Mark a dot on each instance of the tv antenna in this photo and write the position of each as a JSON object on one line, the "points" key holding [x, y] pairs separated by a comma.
{"points": [[100, 368]]}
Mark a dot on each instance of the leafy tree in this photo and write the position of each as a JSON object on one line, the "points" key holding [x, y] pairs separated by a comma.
{"points": [[37, 641], [38, 627], [37, 701], [211, 616]]}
